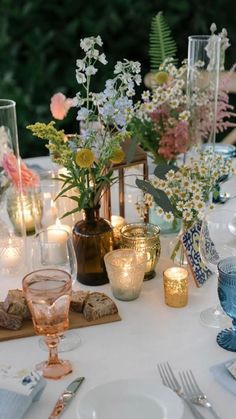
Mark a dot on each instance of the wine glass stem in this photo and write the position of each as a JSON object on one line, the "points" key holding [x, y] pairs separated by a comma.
{"points": [[52, 343]]}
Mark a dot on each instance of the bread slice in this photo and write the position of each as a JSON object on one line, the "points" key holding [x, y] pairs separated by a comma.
{"points": [[10, 321], [77, 300], [98, 305], [15, 303]]}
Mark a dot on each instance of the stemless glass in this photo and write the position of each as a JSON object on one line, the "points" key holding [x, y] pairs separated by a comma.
{"points": [[48, 294], [53, 249], [227, 295], [217, 241]]}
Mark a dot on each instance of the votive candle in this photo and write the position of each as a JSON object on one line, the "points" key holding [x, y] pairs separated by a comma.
{"points": [[125, 269], [176, 286]]}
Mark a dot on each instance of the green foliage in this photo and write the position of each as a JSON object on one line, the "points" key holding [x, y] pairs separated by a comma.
{"points": [[162, 45], [159, 196]]}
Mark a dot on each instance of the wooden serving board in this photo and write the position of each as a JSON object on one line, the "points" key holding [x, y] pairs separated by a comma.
{"points": [[76, 320]]}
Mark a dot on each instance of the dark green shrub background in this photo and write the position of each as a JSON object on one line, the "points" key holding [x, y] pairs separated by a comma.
{"points": [[39, 44]]}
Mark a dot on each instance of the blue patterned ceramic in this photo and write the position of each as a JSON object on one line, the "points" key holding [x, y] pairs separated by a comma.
{"points": [[227, 296]]}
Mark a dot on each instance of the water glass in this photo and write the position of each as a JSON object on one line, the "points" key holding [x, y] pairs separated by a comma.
{"points": [[227, 296]]}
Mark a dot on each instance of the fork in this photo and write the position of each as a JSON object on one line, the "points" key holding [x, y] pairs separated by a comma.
{"points": [[193, 391], [169, 380]]}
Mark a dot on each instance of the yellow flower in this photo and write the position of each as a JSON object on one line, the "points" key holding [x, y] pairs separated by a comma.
{"points": [[84, 158], [117, 155], [161, 77]]}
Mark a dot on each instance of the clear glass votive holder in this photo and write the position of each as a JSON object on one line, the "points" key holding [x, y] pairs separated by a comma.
{"points": [[125, 269], [176, 286], [12, 255], [145, 239]]}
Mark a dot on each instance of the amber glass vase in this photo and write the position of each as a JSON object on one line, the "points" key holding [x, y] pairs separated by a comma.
{"points": [[93, 238]]}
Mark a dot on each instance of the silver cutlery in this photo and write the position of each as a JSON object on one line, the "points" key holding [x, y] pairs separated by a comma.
{"points": [[169, 380], [193, 391], [65, 398]]}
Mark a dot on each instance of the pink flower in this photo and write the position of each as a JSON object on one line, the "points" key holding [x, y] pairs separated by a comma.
{"points": [[174, 141], [28, 177], [60, 105]]}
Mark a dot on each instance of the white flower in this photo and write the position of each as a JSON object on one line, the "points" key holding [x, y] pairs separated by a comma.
{"points": [[87, 43], [80, 64], [159, 211], [168, 216], [80, 77], [99, 41], [184, 116], [118, 67], [91, 70], [146, 95], [102, 59], [187, 215]]}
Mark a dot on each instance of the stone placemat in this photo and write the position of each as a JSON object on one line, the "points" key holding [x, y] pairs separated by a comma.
{"points": [[76, 320]]}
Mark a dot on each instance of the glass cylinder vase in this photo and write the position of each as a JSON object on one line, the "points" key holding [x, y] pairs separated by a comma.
{"points": [[12, 243], [202, 86], [93, 238]]}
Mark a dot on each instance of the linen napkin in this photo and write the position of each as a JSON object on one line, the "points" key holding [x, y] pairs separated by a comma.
{"points": [[223, 376], [18, 389]]}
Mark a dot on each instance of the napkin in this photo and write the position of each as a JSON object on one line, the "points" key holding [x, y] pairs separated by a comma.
{"points": [[223, 376], [18, 389]]}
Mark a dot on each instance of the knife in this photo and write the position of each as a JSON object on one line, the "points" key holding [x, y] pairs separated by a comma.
{"points": [[65, 398]]}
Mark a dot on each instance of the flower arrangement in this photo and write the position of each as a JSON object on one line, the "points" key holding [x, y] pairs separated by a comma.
{"points": [[164, 124], [89, 156], [162, 116], [183, 191]]}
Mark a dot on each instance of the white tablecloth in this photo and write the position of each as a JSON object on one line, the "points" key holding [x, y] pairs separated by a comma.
{"points": [[149, 332]]}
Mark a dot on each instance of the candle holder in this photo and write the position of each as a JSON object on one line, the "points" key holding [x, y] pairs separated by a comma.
{"points": [[11, 255], [176, 286], [125, 268], [27, 205], [145, 239]]}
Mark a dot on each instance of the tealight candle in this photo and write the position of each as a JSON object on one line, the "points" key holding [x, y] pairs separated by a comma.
{"points": [[55, 249], [176, 286], [59, 226], [10, 254], [125, 269]]}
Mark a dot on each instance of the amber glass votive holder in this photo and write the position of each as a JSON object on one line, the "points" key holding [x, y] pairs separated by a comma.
{"points": [[176, 286], [145, 239]]}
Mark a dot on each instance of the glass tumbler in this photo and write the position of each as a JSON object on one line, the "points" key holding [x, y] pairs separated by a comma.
{"points": [[125, 268], [145, 239]]}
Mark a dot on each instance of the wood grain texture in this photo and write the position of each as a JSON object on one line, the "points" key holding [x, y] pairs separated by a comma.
{"points": [[76, 320]]}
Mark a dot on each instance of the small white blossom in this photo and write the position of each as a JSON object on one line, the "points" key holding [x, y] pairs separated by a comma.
{"points": [[86, 44], [91, 70], [80, 64], [80, 77], [168, 216], [102, 59]]}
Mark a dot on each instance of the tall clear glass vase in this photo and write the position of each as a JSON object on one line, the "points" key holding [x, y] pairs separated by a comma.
{"points": [[202, 86], [12, 241]]}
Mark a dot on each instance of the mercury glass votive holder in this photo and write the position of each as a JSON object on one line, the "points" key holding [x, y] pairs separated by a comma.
{"points": [[145, 239], [176, 286], [125, 269]]}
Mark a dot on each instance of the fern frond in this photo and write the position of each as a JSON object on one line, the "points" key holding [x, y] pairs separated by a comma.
{"points": [[162, 44]]}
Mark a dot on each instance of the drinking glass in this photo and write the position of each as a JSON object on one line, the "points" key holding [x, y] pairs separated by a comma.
{"points": [[217, 241], [227, 295], [48, 294], [53, 248]]}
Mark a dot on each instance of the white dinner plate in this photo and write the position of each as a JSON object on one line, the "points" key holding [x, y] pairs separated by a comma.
{"points": [[130, 399]]}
